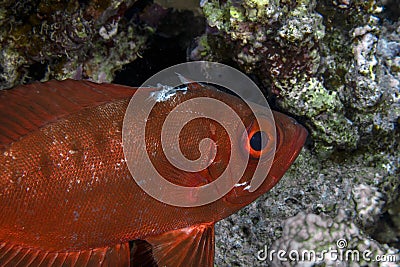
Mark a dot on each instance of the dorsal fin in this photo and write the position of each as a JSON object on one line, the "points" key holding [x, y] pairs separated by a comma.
{"points": [[190, 83], [26, 108]]}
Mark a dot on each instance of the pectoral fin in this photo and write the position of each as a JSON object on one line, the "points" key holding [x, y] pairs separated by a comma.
{"points": [[191, 246], [15, 255]]}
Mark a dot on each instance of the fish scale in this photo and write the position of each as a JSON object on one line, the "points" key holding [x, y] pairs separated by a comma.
{"points": [[68, 198]]}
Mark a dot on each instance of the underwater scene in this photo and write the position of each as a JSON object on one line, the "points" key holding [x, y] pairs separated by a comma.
{"points": [[302, 128]]}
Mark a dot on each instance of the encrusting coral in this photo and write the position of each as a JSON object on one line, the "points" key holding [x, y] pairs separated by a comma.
{"points": [[67, 39]]}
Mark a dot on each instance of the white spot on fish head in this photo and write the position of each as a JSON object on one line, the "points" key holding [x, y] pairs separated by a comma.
{"points": [[166, 92], [240, 184]]}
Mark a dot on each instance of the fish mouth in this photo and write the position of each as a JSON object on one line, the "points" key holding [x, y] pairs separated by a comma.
{"points": [[291, 137]]}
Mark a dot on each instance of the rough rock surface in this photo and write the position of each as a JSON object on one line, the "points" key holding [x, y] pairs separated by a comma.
{"points": [[67, 39]]}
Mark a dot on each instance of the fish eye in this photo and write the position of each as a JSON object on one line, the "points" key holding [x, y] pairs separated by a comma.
{"points": [[259, 138]]}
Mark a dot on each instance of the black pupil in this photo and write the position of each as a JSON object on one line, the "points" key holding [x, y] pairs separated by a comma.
{"points": [[258, 141]]}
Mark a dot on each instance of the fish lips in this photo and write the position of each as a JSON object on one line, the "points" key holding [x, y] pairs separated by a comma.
{"points": [[291, 137]]}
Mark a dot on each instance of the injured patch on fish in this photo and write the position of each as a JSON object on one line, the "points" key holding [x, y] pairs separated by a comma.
{"points": [[166, 92]]}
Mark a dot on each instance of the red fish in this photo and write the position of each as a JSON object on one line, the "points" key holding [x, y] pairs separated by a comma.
{"points": [[67, 197]]}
